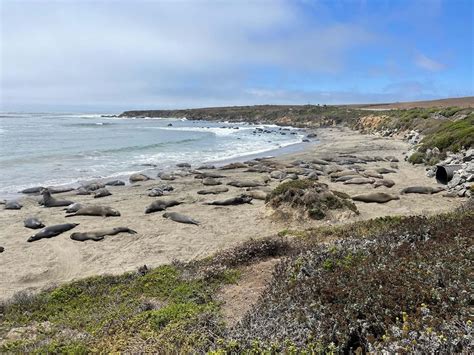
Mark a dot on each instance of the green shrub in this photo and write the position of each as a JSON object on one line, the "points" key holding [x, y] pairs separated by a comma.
{"points": [[416, 158]]}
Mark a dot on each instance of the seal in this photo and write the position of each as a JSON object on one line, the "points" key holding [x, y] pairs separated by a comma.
{"points": [[161, 205], [203, 175], [377, 197], [206, 167], [2, 249], [385, 171], [166, 176], [13, 205], [100, 234], [257, 194], [115, 183], [359, 181], [427, 190], [49, 201], [183, 165], [210, 182], [52, 231], [93, 186], [213, 191], [233, 166], [181, 218], [102, 192], [372, 174], [231, 201], [138, 177], [245, 183], [32, 190], [73, 207], [33, 223], [383, 182], [345, 178], [96, 211]]}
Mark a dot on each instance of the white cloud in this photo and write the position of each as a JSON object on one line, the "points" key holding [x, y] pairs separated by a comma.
{"points": [[109, 51], [429, 64]]}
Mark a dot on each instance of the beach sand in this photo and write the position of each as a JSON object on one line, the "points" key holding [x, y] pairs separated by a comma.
{"points": [[48, 262]]}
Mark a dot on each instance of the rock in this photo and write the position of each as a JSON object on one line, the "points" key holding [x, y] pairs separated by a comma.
{"points": [[183, 165], [462, 192], [138, 177], [455, 181], [277, 174], [469, 155]]}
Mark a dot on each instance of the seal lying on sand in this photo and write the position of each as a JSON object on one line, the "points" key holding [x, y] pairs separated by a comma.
{"points": [[378, 197], [422, 190], [2, 249], [33, 223], [138, 177], [231, 201], [95, 211], [160, 205], [115, 183], [245, 183], [359, 181], [52, 231], [50, 201], [257, 194], [214, 190], [203, 175], [32, 190], [13, 205], [210, 182], [100, 234], [181, 218], [102, 192], [385, 171], [383, 182], [73, 208]]}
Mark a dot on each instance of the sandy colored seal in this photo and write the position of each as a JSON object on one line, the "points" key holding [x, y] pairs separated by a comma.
{"points": [[377, 197], [115, 183], [181, 218], [161, 205], [245, 183], [383, 182], [100, 234], [50, 201], [102, 211], [33, 223], [231, 201], [138, 177], [52, 231], [32, 190], [73, 208], [210, 182], [102, 192], [213, 190], [359, 181], [422, 190], [257, 194]]}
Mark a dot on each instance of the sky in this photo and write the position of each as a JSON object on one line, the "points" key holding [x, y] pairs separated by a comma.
{"points": [[113, 55]]}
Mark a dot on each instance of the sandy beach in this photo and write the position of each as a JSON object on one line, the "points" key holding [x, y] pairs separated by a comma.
{"points": [[48, 262]]}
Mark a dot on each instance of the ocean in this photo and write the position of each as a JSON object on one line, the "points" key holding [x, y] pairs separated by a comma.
{"points": [[51, 149]]}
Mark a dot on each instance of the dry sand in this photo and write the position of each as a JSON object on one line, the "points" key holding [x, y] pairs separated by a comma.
{"points": [[32, 266]]}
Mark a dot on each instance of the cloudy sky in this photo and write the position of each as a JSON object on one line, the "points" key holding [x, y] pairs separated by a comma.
{"points": [[111, 55]]}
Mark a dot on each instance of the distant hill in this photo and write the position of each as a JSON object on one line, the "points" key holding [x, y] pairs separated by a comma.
{"points": [[450, 102]]}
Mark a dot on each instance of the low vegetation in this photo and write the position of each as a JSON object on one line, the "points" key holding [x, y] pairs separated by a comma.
{"points": [[395, 284]]}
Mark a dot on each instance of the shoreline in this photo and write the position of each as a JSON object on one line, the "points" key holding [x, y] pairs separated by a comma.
{"points": [[34, 266]]}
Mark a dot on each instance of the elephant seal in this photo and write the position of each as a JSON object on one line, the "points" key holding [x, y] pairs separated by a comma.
{"points": [[73, 207], [359, 181], [115, 183], [166, 176], [95, 211], [257, 194], [320, 162], [52, 231], [245, 183], [233, 166], [181, 218], [206, 167], [183, 165], [372, 174], [394, 165], [138, 177], [99, 235], [32, 190], [33, 223], [278, 175], [59, 190], [93, 186], [231, 201], [422, 190], [160, 205], [210, 182], [156, 192], [82, 191], [346, 178], [385, 171], [2, 249], [383, 182], [214, 190], [203, 175], [49, 201], [13, 205], [102, 192], [378, 197]]}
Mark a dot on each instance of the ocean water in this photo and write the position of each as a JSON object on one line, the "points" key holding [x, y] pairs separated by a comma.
{"points": [[61, 149]]}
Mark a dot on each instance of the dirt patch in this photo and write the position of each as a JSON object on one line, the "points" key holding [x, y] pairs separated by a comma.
{"points": [[237, 299]]}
